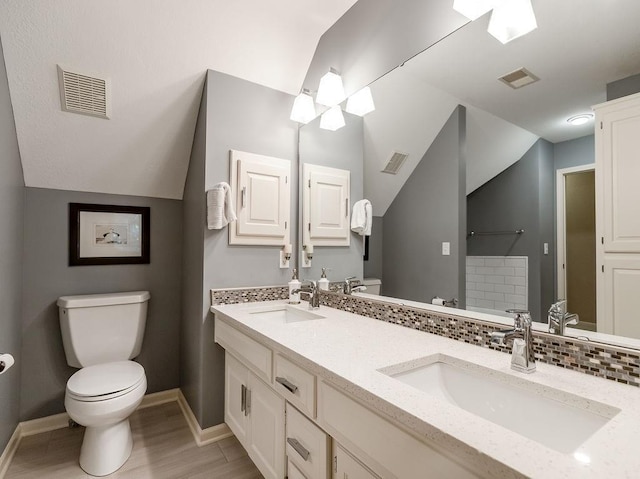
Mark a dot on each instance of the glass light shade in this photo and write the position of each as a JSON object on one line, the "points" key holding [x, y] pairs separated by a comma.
{"points": [[580, 119], [473, 9], [303, 110], [332, 119], [330, 91], [512, 19], [361, 102]]}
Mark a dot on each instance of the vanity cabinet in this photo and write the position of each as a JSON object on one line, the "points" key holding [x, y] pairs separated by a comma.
{"points": [[256, 415], [618, 214]]}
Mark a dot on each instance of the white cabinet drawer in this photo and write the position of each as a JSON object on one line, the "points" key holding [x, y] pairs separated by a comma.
{"points": [[296, 385], [307, 445], [381, 445], [253, 354]]}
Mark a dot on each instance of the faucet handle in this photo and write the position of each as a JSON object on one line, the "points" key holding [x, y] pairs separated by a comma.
{"points": [[522, 318]]}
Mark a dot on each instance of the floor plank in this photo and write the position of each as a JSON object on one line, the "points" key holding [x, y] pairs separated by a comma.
{"points": [[163, 448]]}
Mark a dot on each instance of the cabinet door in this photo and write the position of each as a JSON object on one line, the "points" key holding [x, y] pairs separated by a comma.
{"points": [[263, 195], [621, 299], [326, 208], [618, 163], [235, 383], [265, 429], [346, 466]]}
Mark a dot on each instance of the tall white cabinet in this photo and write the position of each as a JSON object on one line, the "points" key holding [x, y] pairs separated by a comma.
{"points": [[618, 215]]}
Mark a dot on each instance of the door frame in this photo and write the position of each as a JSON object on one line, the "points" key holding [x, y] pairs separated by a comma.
{"points": [[561, 224]]}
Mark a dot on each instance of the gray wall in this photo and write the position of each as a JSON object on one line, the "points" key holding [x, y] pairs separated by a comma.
{"points": [[624, 87], [48, 276], [373, 266], [11, 237], [194, 298], [235, 114], [521, 197], [424, 214], [578, 152], [336, 149], [375, 36]]}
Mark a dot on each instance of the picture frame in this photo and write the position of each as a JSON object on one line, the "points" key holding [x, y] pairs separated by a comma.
{"points": [[108, 234]]}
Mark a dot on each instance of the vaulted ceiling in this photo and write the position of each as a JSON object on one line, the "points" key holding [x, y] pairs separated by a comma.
{"points": [[155, 54]]}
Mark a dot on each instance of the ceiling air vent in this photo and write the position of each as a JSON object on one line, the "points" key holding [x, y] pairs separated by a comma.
{"points": [[519, 78], [84, 94], [395, 162]]}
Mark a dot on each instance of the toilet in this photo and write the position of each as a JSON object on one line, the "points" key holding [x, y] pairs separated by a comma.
{"points": [[101, 333], [373, 285]]}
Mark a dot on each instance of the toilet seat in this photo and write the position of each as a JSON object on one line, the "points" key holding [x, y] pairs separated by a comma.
{"points": [[105, 381]]}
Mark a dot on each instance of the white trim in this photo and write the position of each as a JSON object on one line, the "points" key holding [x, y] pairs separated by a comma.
{"points": [[561, 224], [202, 436], [10, 451]]}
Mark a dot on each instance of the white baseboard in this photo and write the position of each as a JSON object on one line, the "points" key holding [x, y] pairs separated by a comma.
{"points": [[201, 436]]}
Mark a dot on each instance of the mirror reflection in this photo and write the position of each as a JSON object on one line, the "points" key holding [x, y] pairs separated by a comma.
{"points": [[494, 204]]}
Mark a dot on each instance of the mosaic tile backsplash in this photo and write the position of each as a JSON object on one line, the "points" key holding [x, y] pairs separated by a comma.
{"points": [[596, 359]]}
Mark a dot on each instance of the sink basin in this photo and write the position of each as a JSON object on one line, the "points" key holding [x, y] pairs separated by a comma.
{"points": [[556, 419], [284, 313]]}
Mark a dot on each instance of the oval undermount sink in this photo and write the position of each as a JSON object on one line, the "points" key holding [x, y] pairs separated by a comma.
{"points": [[284, 313], [551, 417]]}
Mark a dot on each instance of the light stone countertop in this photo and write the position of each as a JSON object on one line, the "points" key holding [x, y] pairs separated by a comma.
{"points": [[348, 350]]}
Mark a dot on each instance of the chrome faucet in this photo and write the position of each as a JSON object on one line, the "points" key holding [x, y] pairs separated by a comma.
{"points": [[310, 287], [352, 285], [522, 356], [559, 318]]}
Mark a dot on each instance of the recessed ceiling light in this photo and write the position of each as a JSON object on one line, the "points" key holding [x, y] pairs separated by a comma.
{"points": [[580, 119]]}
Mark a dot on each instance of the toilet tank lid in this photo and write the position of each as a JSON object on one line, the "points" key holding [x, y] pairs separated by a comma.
{"points": [[91, 300], [371, 281]]}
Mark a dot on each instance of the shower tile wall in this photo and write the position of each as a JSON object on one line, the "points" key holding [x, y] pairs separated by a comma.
{"points": [[497, 283]]}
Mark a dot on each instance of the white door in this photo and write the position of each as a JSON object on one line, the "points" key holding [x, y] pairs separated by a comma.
{"points": [[263, 195], [235, 383], [266, 429], [620, 168], [326, 208]]}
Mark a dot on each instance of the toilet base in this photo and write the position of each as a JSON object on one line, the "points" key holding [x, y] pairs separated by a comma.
{"points": [[106, 448]]}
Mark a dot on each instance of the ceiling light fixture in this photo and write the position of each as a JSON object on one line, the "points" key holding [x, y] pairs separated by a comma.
{"points": [[512, 19], [303, 110], [581, 119], [332, 119], [330, 91], [361, 102]]}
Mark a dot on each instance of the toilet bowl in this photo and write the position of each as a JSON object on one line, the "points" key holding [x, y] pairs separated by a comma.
{"points": [[101, 333], [102, 397]]}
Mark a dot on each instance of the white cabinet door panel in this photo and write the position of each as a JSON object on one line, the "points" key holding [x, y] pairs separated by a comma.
{"points": [[262, 194], [622, 295], [235, 379]]}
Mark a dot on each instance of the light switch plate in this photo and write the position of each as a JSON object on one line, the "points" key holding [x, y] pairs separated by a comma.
{"points": [[304, 261], [446, 248], [546, 248], [284, 263]]}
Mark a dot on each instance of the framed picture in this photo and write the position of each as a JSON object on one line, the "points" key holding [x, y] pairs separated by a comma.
{"points": [[108, 234]]}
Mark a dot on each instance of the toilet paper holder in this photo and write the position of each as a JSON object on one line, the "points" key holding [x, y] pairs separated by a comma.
{"points": [[6, 361]]}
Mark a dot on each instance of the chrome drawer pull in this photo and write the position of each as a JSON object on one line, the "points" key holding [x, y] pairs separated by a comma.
{"points": [[287, 384], [294, 443]]}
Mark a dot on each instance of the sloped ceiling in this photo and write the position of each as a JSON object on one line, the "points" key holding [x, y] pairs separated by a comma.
{"points": [[409, 115], [155, 53]]}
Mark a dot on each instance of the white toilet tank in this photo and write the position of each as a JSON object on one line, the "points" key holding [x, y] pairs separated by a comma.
{"points": [[373, 285], [101, 328]]}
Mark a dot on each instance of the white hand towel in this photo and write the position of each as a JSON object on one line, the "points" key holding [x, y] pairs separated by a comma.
{"points": [[220, 211], [362, 218]]}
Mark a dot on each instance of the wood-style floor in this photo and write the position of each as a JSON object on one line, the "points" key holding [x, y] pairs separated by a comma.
{"points": [[163, 448]]}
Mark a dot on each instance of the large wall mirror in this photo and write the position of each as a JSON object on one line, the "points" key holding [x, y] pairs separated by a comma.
{"points": [[494, 204]]}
